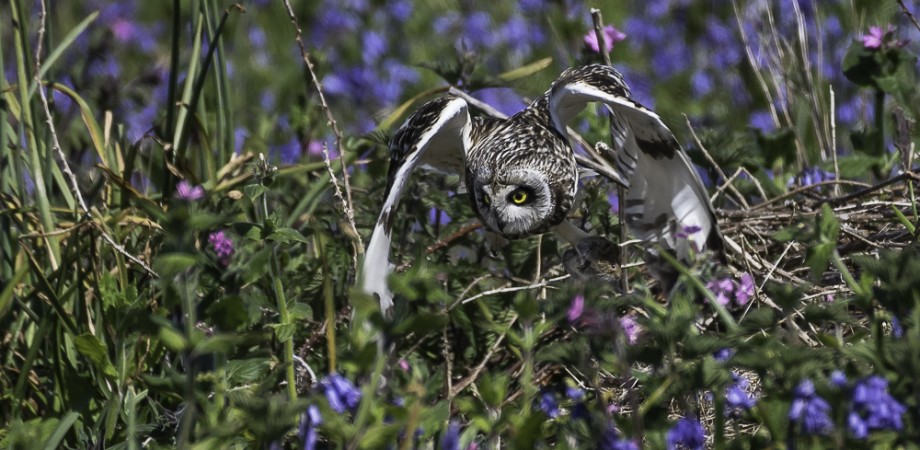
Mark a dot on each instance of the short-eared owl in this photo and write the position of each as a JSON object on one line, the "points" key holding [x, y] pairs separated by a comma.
{"points": [[521, 172]]}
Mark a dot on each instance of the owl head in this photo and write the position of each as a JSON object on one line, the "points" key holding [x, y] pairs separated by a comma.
{"points": [[516, 202]]}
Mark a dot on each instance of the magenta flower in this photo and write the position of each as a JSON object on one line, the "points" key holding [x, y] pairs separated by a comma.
{"points": [[576, 309], [611, 36], [223, 246], [185, 191], [875, 37]]}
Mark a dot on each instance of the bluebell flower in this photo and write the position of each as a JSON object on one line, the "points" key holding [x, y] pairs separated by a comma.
{"points": [[671, 59], [737, 398], [549, 405], [810, 410], [896, 329], [723, 355], [838, 379], [438, 216], [875, 406], [451, 438], [614, 202], [686, 433], [341, 394], [502, 99], [399, 9], [611, 440], [477, 30], [762, 120], [374, 44], [701, 83], [307, 430]]}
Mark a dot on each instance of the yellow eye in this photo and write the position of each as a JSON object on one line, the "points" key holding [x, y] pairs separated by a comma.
{"points": [[486, 199], [519, 197]]}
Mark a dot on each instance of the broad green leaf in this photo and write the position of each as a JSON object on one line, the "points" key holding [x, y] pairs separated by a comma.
{"points": [[91, 347], [286, 235]]}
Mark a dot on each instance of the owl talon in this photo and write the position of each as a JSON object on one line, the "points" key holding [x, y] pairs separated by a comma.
{"points": [[592, 258]]}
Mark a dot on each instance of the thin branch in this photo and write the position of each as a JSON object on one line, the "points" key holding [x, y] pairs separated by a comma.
{"points": [[712, 161], [507, 289], [346, 202], [56, 145], [909, 14]]}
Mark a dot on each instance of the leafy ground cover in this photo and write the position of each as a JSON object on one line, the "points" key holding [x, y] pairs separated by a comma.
{"points": [[183, 213]]}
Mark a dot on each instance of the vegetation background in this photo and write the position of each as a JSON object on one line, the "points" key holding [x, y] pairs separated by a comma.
{"points": [[183, 214]]}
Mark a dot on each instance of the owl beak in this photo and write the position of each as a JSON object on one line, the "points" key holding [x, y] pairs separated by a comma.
{"points": [[500, 224]]}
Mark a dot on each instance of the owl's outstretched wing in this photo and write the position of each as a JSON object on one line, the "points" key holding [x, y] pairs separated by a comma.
{"points": [[436, 136], [665, 202]]}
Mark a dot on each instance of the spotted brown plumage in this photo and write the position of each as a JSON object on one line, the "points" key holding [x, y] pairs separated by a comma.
{"points": [[522, 178]]}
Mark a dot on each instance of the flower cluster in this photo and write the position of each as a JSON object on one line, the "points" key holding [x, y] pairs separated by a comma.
{"points": [[631, 328], [223, 246], [873, 408], [185, 191], [737, 398], [611, 440], [687, 434], [726, 289], [341, 393], [809, 410]]}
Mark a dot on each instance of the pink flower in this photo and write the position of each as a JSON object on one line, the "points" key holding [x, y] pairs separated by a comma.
{"points": [[611, 35], [576, 309], [223, 246], [874, 38], [403, 364], [185, 191]]}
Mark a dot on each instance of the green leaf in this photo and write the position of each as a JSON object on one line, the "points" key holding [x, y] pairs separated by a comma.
{"points": [[828, 225], [283, 331], [169, 265], [286, 235], [172, 339], [494, 389], [817, 258], [379, 436], [91, 347]]}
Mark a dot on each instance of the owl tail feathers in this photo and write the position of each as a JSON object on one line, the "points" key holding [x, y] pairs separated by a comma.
{"points": [[376, 268]]}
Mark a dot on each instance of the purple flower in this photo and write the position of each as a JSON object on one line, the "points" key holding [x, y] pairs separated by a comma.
{"points": [[340, 392], [451, 438], [737, 398], [614, 201], [897, 330], [810, 410], [814, 175], [438, 216], [223, 246], [185, 191], [549, 405], [576, 309], [721, 288], [745, 290], [875, 407], [404, 364], [723, 354], [611, 440], [686, 433], [574, 393], [874, 38], [611, 36], [688, 231], [838, 379], [308, 422], [631, 329]]}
